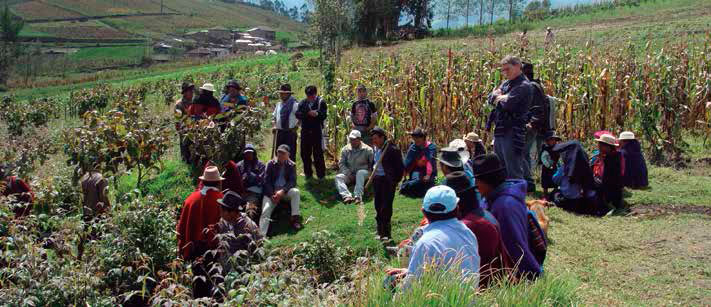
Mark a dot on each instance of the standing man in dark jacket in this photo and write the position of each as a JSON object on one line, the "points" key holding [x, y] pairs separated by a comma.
{"points": [[280, 183], [285, 121], [312, 112], [538, 125], [389, 170], [506, 199], [512, 100], [363, 113]]}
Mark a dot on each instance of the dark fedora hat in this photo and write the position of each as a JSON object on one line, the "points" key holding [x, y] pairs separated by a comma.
{"points": [[450, 156], [551, 135], [379, 131], [187, 86], [487, 164], [232, 201], [459, 181], [284, 148], [285, 89]]}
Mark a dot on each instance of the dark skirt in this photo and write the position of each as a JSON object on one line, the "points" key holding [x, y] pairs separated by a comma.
{"points": [[547, 178]]}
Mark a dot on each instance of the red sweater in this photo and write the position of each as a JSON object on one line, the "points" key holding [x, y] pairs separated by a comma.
{"points": [[495, 261], [17, 187], [198, 213]]}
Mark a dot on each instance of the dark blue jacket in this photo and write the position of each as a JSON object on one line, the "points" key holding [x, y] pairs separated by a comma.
{"points": [[507, 204], [252, 172], [512, 113], [273, 173]]}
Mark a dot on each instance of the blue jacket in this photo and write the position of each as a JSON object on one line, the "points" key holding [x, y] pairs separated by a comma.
{"points": [[415, 152], [507, 204], [512, 113]]}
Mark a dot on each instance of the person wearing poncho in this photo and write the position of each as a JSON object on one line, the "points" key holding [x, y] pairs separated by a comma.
{"points": [[635, 176], [198, 213]]}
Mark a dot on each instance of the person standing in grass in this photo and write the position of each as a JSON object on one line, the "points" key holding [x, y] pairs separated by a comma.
{"points": [[363, 113], [18, 190], [511, 101], [420, 165], [635, 165], [550, 38], [388, 169], [537, 125], [354, 167], [312, 113], [610, 182], [446, 243], [253, 172], [181, 108], [280, 183], [506, 199], [285, 121]]}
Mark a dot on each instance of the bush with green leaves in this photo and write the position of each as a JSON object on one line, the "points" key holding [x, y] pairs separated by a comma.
{"points": [[19, 116]]}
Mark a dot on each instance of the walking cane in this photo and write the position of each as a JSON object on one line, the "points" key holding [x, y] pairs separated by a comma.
{"points": [[274, 143], [375, 168]]}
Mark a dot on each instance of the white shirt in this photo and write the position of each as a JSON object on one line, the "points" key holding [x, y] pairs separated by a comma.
{"points": [[293, 121]]}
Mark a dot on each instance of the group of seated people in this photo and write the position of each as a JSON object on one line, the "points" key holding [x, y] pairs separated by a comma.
{"points": [[594, 185]]}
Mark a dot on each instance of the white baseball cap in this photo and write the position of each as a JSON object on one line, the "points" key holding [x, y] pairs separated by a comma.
{"points": [[355, 134]]}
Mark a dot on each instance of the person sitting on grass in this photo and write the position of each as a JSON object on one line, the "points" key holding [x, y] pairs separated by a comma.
{"points": [[475, 146], [495, 260], [420, 165], [610, 181], [280, 183], [635, 165], [445, 243], [235, 231], [574, 180], [506, 199], [549, 161], [354, 167], [253, 172], [18, 191]]}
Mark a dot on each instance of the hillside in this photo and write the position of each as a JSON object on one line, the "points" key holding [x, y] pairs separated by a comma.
{"points": [[125, 19]]}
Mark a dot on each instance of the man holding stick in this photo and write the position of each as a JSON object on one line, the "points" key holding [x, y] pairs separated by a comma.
{"points": [[387, 174]]}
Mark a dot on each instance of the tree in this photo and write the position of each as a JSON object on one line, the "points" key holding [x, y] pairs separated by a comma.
{"points": [[445, 7], [374, 19], [9, 45], [330, 24], [481, 12], [466, 9], [514, 5], [421, 12]]}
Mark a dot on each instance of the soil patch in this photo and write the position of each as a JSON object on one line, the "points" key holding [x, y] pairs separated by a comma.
{"points": [[654, 211]]}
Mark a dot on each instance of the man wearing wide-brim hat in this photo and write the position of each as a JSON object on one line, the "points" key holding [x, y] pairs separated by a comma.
{"points": [[285, 121], [609, 182], [206, 104], [199, 211], [238, 231]]}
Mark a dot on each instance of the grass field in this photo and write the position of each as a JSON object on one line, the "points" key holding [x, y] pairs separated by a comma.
{"points": [[110, 53]]}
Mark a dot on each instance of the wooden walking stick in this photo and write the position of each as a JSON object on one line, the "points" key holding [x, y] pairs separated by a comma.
{"points": [[377, 165]]}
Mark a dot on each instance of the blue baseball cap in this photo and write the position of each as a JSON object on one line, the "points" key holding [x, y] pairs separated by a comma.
{"points": [[440, 199]]}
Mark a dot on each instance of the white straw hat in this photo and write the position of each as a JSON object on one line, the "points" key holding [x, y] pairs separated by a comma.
{"points": [[607, 139], [208, 87], [627, 135]]}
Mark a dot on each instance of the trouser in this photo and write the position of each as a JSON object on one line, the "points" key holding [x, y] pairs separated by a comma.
{"points": [[415, 187], [511, 157], [184, 148], [287, 137], [268, 208], [364, 133], [534, 140], [342, 181], [384, 196], [312, 145]]}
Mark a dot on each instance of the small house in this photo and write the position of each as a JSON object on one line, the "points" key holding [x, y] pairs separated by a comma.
{"points": [[264, 32]]}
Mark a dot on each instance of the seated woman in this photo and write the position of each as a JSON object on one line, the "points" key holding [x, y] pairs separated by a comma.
{"points": [[635, 174], [609, 182], [574, 178]]}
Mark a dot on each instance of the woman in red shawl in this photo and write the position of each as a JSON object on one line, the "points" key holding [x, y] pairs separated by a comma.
{"points": [[19, 190]]}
